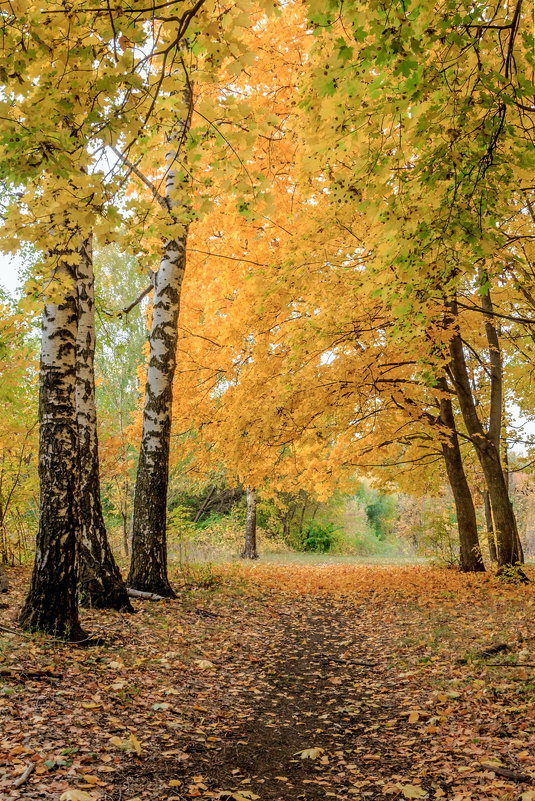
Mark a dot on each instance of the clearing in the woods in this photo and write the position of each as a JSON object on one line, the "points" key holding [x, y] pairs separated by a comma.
{"points": [[281, 683]]}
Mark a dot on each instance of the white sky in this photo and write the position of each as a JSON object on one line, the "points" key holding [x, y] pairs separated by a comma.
{"points": [[9, 272]]}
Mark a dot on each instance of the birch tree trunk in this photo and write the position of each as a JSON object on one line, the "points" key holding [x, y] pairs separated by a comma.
{"points": [[100, 582], [148, 568], [51, 604], [249, 549], [470, 551]]}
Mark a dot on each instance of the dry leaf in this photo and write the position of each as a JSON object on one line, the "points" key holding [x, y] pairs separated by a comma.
{"points": [[204, 664], [412, 791], [310, 753]]}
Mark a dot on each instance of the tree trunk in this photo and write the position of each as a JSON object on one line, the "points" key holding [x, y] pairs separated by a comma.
{"points": [[490, 526], [470, 551], [488, 454], [124, 515], [4, 583], [148, 568], [249, 549], [100, 582], [51, 604]]}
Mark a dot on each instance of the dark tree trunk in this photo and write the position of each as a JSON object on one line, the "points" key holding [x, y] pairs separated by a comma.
{"points": [[51, 604], [148, 567], [470, 551], [124, 515], [100, 582], [490, 527], [4, 583], [507, 540], [249, 549]]}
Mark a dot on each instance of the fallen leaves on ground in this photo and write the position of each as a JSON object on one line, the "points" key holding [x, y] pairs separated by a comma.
{"points": [[282, 683]]}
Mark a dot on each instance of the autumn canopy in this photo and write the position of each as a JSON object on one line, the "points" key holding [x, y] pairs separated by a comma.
{"points": [[283, 254]]}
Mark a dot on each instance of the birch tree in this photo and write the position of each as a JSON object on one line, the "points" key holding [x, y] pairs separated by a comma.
{"points": [[148, 569], [100, 581], [51, 604]]}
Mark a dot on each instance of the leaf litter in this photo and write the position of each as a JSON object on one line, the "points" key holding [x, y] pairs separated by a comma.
{"points": [[281, 683]]}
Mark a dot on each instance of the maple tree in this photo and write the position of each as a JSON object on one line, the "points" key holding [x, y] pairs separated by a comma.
{"points": [[328, 205]]}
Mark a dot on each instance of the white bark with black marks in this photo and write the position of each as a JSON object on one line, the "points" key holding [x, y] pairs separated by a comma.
{"points": [[100, 582], [51, 604], [148, 569]]}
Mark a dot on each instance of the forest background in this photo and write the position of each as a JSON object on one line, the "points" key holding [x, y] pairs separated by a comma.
{"points": [[355, 340]]}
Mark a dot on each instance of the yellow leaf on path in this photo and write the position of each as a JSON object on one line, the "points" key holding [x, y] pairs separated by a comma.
{"points": [[412, 791], [132, 744], [414, 717], [87, 777], [245, 795], [529, 795], [310, 753], [76, 795], [175, 783], [204, 664]]}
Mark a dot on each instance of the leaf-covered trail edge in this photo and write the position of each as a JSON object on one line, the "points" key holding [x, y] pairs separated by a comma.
{"points": [[282, 683]]}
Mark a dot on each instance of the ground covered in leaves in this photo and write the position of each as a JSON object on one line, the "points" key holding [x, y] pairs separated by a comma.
{"points": [[278, 684]]}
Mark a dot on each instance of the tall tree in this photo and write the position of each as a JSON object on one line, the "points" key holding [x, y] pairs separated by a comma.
{"points": [[470, 552], [100, 582], [508, 547], [249, 548], [148, 568], [51, 605]]}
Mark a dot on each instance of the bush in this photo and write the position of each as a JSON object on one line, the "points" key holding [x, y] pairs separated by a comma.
{"points": [[318, 537]]}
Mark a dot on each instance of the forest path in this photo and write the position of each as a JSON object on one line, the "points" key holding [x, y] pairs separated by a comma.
{"points": [[221, 693], [315, 680]]}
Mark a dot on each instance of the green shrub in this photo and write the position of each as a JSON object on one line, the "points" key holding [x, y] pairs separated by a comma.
{"points": [[318, 537]]}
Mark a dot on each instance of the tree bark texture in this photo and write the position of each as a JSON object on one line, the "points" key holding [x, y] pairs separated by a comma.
{"points": [[51, 604], [100, 582], [4, 583], [470, 552], [148, 568], [249, 549], [507, 540], [490, 526]]}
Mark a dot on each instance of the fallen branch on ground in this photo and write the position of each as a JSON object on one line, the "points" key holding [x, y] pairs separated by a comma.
{"points": [[144, 596], [29, 674], [506, 773], [23, 778]]}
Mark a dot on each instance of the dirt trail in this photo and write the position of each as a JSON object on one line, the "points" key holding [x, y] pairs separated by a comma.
{"points": [[309, 681]]}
